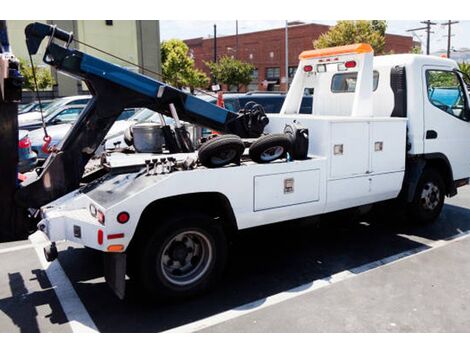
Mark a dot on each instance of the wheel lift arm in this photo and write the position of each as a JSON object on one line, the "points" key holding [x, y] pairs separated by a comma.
{"points": [[113, 88]]}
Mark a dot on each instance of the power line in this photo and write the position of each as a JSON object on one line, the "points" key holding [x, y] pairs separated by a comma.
{"points": [[428, 24], [449, 24]]}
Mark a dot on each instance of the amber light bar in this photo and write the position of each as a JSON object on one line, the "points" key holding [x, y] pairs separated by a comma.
{"points": [[337, 50]]}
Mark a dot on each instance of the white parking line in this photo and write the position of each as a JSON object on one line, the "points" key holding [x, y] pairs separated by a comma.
{"points": [[312, 286], [75, 311], [16, 248]]}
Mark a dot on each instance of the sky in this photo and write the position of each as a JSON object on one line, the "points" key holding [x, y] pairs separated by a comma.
{"points": [[194, 29]]}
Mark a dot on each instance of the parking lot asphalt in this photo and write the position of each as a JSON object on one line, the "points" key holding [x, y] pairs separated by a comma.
{"points": [[374, 275]]}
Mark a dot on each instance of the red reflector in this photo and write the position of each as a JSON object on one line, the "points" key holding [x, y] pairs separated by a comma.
{"points": [[24, 143], [115, 235], [100, 217], [123, 217], [308, 68], [350, 64], [100, 237]]}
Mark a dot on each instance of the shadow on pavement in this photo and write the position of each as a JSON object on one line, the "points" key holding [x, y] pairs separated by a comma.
{"points": [[264, 262], [22, 307]]}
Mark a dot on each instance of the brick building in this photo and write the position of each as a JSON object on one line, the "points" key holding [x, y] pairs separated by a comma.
{"points": [[266, 51]]}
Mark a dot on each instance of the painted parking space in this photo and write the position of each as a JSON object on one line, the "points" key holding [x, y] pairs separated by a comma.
{"points": [[265, 262]]}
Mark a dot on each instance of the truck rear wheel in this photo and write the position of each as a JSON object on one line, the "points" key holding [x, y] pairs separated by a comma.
{"points": [[182, 257], [429, 197]]}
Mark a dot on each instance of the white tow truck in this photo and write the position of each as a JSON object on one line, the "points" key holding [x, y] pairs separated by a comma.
{"points": [[381, 128]]}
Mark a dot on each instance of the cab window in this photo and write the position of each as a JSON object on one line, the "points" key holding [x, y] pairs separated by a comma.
{"points": [[445, 91], [346, 82], [68, 115]]}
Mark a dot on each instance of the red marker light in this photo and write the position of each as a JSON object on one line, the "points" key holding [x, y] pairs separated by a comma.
{"points": [[123, 217], [115, 236], [350, 64], [100, 237], [308, 68], [100, 217]]}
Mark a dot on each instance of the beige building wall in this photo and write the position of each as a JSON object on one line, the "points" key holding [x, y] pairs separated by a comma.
{"points": [[134, 41], [120, 39], [18, 40]]}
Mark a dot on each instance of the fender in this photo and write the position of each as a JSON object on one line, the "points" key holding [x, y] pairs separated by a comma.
{"points": [[414, 169]]}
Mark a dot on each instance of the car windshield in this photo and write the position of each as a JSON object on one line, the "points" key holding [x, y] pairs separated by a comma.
{"points": [[68, 115], [52, 107], [143, 115], [126, 114]]}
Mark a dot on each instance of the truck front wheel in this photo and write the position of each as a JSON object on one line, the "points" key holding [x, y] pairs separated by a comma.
{"points": [[429, 197], [182, 257]]}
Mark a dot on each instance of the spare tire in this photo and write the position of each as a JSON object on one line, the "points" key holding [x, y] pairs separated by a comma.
{"points": [[128, 136], [299, 140], [270, 147], [221, 151]]}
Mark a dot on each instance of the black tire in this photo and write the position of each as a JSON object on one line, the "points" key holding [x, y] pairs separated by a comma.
{"points": [[221, 151], [428, 199], [159, 251], [128, 136], [270, 147]]}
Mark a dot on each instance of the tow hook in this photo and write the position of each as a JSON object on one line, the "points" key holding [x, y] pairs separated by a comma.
{"points": [[50, 252]]}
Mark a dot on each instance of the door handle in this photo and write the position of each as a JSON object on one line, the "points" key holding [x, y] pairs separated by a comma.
{"points": [[431, 134]]}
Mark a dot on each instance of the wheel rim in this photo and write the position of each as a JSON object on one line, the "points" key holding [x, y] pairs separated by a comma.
{"points": [[186, 257], [272, 153], [225, 156], [430, 196]]}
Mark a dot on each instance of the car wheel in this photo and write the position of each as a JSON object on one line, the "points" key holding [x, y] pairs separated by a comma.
{"points": [[429, 197], [182, 257]]}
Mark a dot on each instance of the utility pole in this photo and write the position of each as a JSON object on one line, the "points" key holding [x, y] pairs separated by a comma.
{"points": [[449, 24], [215, 43], [428, 24], [236, 39], [287, 56]]}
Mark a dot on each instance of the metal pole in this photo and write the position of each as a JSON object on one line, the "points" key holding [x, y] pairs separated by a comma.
{"points": [[449, 24], [287, 55], [215, 43], [236, 38], [428, 38], [449, 32]]}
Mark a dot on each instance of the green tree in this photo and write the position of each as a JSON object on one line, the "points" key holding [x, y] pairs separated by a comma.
{"points": [[231, 72], [178, 67], [465, 68], [43, 76], [354, 32]]}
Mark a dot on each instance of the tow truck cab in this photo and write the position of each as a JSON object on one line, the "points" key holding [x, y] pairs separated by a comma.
{"points": [[377, 131]]}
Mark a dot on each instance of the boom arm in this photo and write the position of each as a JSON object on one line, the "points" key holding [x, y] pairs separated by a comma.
{"points": [[113, 88]]}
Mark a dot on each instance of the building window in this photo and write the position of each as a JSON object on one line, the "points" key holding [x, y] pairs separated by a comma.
{"points": [[109, 22], [292, 70], [273, 73], [255, 75]]}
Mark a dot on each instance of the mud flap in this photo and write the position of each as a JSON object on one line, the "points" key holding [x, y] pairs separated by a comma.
{"points": [[115, 272]]}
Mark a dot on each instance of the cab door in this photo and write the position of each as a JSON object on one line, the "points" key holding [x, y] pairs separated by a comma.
{"points": [[447, 118]]}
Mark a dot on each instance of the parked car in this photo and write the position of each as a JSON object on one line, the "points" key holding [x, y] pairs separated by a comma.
{"points": [[60, 115], [27, 159], [54, 105], [58, 132], [33, 106], [271, 101]]}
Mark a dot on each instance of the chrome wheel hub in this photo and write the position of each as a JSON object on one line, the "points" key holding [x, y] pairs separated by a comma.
{"points": [[272, 153], [430, 196], [186, 257]]}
